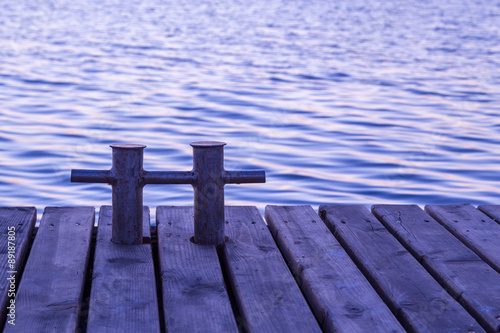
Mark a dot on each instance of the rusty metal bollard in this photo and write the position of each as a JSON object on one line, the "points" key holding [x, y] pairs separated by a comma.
{"points": [[208, 177]]}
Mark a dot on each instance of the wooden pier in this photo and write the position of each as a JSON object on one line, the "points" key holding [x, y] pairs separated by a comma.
{"points": [[397, 268]]}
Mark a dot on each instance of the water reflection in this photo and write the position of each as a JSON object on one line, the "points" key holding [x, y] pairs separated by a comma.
{"points": [[347, 102]]}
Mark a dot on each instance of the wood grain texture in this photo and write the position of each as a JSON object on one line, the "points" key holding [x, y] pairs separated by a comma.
{"points": [[22, 221], [266, 292], [123, 295], [49, 296], [469, 279], [474, 228], [493, 211], [341, 297], [194, 295], [421, 304]]}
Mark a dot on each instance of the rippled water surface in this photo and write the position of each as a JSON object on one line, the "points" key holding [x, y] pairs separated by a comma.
{"points": [[348, 101]]}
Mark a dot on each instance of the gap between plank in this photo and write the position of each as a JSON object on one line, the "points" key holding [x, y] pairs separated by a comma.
{"points": [[158, 278], [84, 306], [224, 263]]}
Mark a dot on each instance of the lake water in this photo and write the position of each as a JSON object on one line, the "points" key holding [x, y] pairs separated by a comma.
{"points": [[347, 101]]}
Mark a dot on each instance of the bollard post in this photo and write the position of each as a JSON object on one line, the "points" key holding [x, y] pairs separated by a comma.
{"points": [[127, 193], [125, 179], [208, 165], [208, 177]]}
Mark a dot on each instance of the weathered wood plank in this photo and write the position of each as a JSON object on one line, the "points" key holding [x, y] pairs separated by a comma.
{"points": [[474, 228], [123, 295], [493, 211], [194, 294], [16, 228], [50, 293], [267, 295], [341, 297], [469, 279], [421, 304]]}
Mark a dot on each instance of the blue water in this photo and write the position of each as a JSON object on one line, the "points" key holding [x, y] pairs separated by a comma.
{"points": [[347, 101]]}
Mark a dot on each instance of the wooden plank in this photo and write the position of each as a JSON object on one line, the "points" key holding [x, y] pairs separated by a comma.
{"points": [[16, 228], [474, 228], [493, 211], [123, 295], [268, 298], [50, 293], [341, 297], [469, 279], [194, 295], [421, 304]]}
